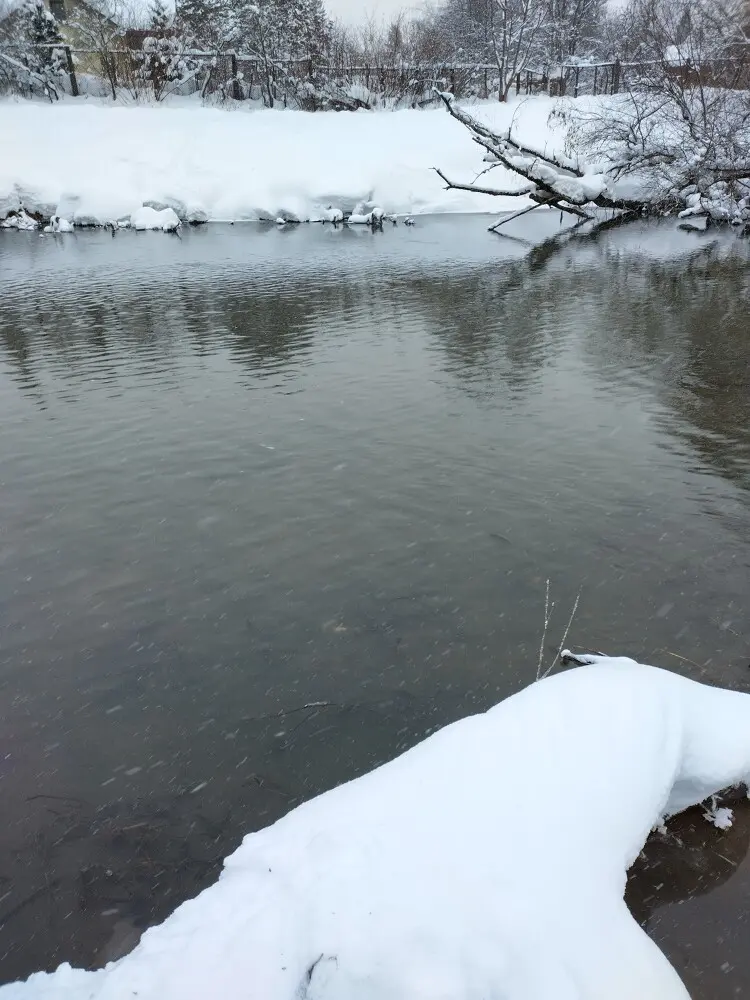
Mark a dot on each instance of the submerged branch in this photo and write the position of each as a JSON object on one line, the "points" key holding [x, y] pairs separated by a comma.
{"points": [[541, 203]]}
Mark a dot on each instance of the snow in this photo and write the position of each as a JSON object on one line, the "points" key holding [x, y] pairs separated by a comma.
{"points": [[18, 220], [165, 219], [232, 165], [487, 862], [58, 225], [332, 215], [673, 56], [722, 818]]}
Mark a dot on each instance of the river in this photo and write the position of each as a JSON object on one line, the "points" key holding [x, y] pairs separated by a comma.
{"points": [[248, 470]]}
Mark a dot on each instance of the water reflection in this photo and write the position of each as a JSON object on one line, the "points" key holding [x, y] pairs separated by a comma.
{"points": [[250, 470]]}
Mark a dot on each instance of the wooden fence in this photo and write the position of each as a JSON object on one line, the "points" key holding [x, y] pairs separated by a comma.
{"points": [[243, 76]]}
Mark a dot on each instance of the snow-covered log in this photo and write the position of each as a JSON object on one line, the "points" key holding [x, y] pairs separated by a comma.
{"points": [[488, 861]]}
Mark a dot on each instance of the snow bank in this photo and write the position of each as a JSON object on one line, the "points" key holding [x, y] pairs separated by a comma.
{"points": [[150, 218], [20, 219], [489, 861], [90, 163], [58, 225]]}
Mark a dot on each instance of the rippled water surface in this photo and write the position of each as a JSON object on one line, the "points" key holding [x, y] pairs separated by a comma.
{"points": [[248, 470]]}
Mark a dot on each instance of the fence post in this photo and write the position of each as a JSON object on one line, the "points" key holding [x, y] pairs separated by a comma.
{"points": [[528, 81], [453, 81], [71, 71], [575, 88], [616, 77], [596, 74], [562, 81], [486, 86], [236, 92]]}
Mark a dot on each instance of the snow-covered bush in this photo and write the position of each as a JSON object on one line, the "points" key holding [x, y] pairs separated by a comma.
{"points": [[164, 60]]}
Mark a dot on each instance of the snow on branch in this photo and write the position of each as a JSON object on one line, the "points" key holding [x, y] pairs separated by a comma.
{"points": [[674, 147], [551, 178], [477, 189]]}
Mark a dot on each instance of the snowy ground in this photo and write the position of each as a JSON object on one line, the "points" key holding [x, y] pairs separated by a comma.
{"points": [[89, 163], [487, 862]]}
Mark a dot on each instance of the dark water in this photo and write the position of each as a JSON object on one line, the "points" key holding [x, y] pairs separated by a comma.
{"points": [[250, 470]]}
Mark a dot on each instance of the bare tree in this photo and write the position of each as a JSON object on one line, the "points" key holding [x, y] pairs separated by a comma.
{"points": [[391, 63], [574, 29], [517, 33], [508, 33], [679, 140], [684, 128], [99, 26], [550, 179]]}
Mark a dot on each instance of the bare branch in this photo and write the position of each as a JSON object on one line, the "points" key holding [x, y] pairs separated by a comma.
{"points": [[510, 193], [553, 178]]}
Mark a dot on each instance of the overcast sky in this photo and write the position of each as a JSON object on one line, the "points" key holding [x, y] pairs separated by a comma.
{"points": [[357, 10]]}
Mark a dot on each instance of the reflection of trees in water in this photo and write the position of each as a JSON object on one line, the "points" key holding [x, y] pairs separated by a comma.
{"points": [[494, 327], [684, 326], [497, 327], [714, 397], [263, 332], [488, 329]]}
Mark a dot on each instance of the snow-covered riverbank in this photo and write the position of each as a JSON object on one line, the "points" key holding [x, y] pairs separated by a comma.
{"points": [[93, 164], [489, 861]]}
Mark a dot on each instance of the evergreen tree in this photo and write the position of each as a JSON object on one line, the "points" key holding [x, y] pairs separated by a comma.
{"points": [[39, 34], [205, 23], [281, 34]]}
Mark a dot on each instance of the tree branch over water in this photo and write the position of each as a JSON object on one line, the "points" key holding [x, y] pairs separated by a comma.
{"points": [[677, 142]]}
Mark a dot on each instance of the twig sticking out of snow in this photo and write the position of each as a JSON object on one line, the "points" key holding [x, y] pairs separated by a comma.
{"points": [[561, 651], [544, 630], [565, 635]]}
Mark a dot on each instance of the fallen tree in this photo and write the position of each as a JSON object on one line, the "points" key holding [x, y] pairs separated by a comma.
{"points": [[553, 180], [678, 142]]}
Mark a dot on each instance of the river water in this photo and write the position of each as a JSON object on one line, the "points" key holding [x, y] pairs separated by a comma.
{"points": [[249, 470]]}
